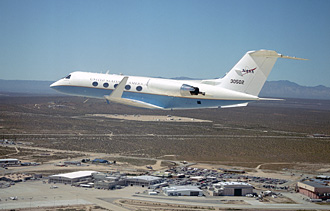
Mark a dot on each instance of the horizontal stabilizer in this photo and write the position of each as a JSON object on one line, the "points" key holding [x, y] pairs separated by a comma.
{"points": [[291, 57], [262, 99], [267, 53], [235, 105]]}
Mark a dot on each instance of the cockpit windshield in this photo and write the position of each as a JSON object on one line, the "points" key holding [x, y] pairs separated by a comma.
{"points": [[68, 77]]}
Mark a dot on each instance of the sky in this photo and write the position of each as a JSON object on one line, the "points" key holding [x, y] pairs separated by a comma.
{"points": [[48, 39]]}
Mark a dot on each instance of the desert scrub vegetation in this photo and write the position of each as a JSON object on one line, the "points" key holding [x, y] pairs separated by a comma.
{"points": [[224, 149], [261, 132], [6, 151]]}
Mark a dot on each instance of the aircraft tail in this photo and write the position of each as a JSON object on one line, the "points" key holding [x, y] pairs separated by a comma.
{"points": [[251, 72]]}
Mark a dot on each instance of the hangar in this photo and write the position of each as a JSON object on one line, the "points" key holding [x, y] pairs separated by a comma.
{"points": [[182, 191], [71, 178], [232, 189]]}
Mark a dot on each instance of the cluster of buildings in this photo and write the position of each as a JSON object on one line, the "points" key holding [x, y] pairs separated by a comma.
{"points": [[103, 180], [170, 185], [180, 181], [188, 182]]}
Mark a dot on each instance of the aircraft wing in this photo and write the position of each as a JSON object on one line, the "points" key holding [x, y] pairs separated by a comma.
{"points": [[132, 102], [116, 96], [235, 105], [118, 92]]}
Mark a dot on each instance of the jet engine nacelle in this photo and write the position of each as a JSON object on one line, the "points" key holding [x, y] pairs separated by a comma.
{"points": [[172, 88], [187, 90]]}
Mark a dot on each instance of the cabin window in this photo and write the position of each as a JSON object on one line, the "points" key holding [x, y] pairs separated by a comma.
{"points": [[95, 83], [139, 88], [115, 85], [199, 102], [105, 85], [128, 87]]}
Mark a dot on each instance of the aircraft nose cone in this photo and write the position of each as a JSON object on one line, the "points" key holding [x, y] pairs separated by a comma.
{"points": [[53, 85], [56, 85]]}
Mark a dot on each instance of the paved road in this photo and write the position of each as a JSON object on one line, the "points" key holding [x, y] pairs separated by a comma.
{"points": [[149, 135], [251, 202]]}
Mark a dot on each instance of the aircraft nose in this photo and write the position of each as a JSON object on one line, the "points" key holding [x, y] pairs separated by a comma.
{"points": [[56, 84], [53, 85]]}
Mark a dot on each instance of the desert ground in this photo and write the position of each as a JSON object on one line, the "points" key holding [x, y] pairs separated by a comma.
{"points": [[274, 135], [267, 139]]}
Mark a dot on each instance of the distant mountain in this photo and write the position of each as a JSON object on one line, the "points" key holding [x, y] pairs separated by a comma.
{"points": [[275, 89], [288, 89], [186, 78], [16, 87]]}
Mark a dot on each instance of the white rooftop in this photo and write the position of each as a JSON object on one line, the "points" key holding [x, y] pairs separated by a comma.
{"points": [[76, 174], [197, 177], [8, 159], [182, 188], [146, 177]]}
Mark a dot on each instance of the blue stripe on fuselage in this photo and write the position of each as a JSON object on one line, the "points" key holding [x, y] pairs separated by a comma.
{"points": [[163, 101]]}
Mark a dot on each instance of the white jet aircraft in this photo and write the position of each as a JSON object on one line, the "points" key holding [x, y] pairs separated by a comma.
{"points": [[237, 88]]}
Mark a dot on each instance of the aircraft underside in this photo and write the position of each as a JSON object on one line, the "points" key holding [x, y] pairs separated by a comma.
{"points": [[161, 101]]}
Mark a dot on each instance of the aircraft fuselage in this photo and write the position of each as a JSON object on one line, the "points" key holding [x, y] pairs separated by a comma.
{"points": [[237, 88], [164, 93]]}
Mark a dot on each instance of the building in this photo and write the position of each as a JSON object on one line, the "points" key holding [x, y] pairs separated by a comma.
{"points": [[158, 185], [71, 178], [97, 160], [16, 177], [314, 189], [108, 181], [322, 177], [105, 184], [75, 163], [143, 180], [182, 191], [232, 189], [9, 162]]}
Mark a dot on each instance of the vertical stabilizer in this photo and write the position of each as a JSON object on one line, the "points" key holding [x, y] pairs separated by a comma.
{"points": [[251, 72]]}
